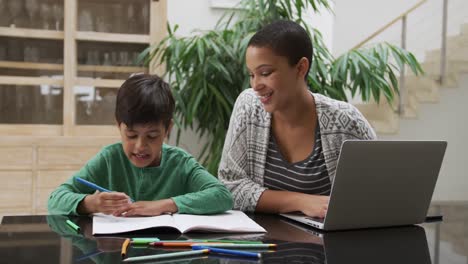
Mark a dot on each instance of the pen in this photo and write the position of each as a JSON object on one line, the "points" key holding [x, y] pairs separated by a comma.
{"points": [[168, 255], [243, 246], [144, 240], [73, 225], [124, 247], [230, 252], [95, 186]]}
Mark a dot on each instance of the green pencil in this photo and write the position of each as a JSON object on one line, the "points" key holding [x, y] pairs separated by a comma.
{"points": [[73, 225], [144, 240], [168, 255]]}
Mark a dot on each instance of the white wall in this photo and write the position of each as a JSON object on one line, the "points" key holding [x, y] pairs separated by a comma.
{"points": [[355, 20], [358, 19], [192, 15], [445, 120]]}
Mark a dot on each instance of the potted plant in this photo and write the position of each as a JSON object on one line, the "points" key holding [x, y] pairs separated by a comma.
{"points": [[207, 70]]}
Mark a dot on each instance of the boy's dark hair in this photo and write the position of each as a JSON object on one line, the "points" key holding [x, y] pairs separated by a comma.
{"points": [[285, 38], [143, 99]]}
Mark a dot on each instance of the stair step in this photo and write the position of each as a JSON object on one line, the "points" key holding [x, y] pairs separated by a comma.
{"points": [[381, 116], [454, 68], [450, 81], [457, 49], [424, 88]]}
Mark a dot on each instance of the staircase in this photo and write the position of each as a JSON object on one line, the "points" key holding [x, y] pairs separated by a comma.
{"points": [[421, 89]]}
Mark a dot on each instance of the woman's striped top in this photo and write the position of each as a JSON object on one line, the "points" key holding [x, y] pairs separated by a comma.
{"points": [[308, 176]]}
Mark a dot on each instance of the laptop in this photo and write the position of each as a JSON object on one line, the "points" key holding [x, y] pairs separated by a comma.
{"points": [[379, 184]]}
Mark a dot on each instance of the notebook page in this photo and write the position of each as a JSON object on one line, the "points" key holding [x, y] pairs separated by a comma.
{"points": [[230, 221], [108, 224]]}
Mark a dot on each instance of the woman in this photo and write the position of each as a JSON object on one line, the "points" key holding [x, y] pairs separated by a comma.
{"points": [[283, 141]]}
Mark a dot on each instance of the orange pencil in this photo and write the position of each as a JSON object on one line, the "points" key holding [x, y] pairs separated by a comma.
{"points": [[125, 246]]}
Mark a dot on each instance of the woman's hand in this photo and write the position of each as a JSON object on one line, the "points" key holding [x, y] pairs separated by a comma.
{"points": [[148, 208], [103, 202], [285, 202], [314, 205]]}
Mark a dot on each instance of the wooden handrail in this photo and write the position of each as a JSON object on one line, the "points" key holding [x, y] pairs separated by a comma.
{"points": [[373, 35]]}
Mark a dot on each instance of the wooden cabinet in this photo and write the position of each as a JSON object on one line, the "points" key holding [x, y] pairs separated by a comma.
{"points": [[61, 62]]}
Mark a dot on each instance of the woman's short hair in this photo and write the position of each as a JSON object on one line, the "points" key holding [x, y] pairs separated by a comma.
{"points": [[285, 38]]}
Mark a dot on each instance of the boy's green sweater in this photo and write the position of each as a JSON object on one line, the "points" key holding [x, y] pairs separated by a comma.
{"points": [[179, 176]]}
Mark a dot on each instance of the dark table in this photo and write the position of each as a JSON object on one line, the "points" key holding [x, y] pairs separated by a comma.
{"points": [[47, 239]]}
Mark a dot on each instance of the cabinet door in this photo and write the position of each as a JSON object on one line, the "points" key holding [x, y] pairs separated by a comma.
{"points": [[103, 60], [16, 192], [48, 181], [32, 14], [114, 16], [31, 57], [30, 104]]}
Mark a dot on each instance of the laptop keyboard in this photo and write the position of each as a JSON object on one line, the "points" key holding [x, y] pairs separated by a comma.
{"points": [[316, 219]]}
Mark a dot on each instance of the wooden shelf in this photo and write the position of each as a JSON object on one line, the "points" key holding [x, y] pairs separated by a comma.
{"points": [[22, 80], [31, 65], [29, 130], [106, 83], [31, 33], [59, 67], [112, 37], [102, 68], [106, 131]]}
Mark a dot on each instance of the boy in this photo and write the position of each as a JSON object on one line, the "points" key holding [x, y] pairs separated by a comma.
{"points": [[159, 178]]}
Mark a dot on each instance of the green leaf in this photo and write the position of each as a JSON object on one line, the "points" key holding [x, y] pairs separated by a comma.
{"points": [[200, 50]]}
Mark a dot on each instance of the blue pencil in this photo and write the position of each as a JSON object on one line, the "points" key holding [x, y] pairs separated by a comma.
{"points": [[94, 186], [229, 252]]}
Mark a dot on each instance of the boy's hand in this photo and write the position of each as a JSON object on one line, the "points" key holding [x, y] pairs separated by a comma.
{"points": [[103, 202], [148, 208]]}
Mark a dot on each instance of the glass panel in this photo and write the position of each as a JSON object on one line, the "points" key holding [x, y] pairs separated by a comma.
{"points": [[94, 105], [28, 54], [36, 14], [107, 56], [40, 104], [114, 16]]}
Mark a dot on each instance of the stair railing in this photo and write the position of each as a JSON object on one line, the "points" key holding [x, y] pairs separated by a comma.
{"points": [[403, 18]]}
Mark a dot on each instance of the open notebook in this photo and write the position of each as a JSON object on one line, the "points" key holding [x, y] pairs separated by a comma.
{"points": [[228, 222]]}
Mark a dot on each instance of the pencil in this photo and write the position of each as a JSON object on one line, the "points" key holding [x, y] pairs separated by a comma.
{"points": [[144, 240], [125, 246], [168, 255], [73, 225], [181, 244], [233, 241], [230, 252], [243, 246]]}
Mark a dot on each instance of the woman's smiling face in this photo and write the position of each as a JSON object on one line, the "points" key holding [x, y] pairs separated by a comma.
{"points": [[272, 77]]}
